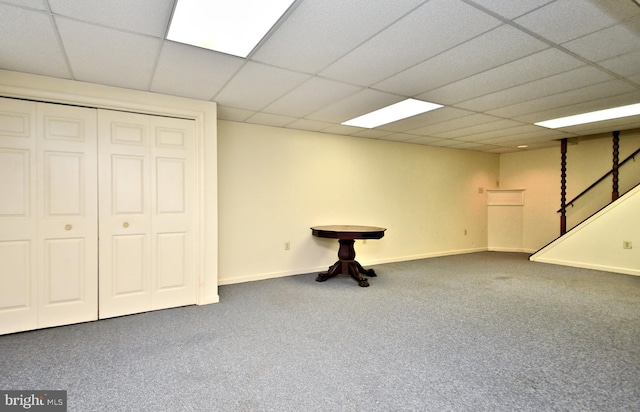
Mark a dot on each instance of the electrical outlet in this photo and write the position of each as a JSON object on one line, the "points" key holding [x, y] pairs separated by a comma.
{"points": [[626, 244], [287, 245]]}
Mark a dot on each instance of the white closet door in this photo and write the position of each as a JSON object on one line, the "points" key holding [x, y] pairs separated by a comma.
{"points": [[174, 214], [18, 233], [147, 213], [67, 215], [125, 219], [48, 215]]}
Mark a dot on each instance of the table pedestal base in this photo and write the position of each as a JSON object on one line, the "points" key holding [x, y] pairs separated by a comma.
{"points": [[347, 265]]}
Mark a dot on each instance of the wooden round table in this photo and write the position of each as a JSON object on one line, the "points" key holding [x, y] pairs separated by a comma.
{"points": [[347, 235]]}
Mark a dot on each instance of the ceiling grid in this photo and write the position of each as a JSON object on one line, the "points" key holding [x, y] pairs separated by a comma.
{"points": [[497, 66]]}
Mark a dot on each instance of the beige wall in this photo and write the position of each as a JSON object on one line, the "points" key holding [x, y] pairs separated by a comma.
{"points": [[538, 171], [275, 183]]}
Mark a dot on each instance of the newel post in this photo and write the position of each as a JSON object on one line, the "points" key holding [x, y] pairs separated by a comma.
{"points": [[563, 186], [614, 170]]}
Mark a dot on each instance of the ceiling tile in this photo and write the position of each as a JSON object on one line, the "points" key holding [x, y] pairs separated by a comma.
{"points": [[233, 114], [565, 20], [523, 110], [607, 126], [310, 97], [415, 38], [627, 64], [108, 56], [29, 43], [257, 85], [475, 146], [399, 137], [588, 99], [425, 140], [511, 9], [480, 131], [306, 124], [489, 50], [445, 143], [574, 79], [543, 64], [340, 129], [187, 71], [613, 41], [500, 150], [149, 17], [454, 124], [524, 138], [270, 119], [319, 32], [415, 123], [357, 104], [32, 4], [373, 133], [578, 106], [503, 133]]}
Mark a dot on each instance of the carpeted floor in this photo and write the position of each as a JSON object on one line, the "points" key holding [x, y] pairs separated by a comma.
{"points": [[479, 332]]}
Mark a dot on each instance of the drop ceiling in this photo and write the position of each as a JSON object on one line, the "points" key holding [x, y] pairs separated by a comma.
{"points": [[497, 66]]}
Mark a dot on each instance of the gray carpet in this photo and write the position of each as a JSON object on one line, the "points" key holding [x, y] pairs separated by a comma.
{"points": [[478, 332]]}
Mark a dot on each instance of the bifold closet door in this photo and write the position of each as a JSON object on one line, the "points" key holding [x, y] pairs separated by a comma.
{"points": [[147, 212], [18, 230], [67, 215], [48, 215]]}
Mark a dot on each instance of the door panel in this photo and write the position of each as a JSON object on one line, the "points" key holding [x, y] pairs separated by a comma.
{"points": [[128, 175], [174, 213], [131, 131], [17, 311], [17, 118], [147, 214], [15, 183], [130, 271], [171, 260], [64, 267], [64, 187], [18, 234], [67, 214], [125, 219], [170, 186]]}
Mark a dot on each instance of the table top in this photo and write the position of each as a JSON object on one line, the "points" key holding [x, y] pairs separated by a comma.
{"points": [[348, 232]]}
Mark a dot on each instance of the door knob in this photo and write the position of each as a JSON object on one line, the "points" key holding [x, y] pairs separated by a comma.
{"points": [[125, 224], [68, 227]]}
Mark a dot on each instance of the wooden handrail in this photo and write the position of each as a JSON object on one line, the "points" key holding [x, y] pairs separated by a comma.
{"points": [[570, 203]]}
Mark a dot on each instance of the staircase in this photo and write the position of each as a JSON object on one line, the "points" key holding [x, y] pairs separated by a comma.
{"points": [[606, 239], [609, 240]]}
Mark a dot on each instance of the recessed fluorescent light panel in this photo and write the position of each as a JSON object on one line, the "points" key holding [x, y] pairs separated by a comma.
{"points": [[398, 111], [228, 26], [600, 115]]}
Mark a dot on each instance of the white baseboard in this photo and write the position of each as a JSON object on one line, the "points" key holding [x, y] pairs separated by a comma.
{"points": [[509, 249], [582, 265], [274, 275]]}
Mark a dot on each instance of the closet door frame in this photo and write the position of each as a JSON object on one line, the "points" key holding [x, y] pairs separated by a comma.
{"points": [[52, 90]]}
